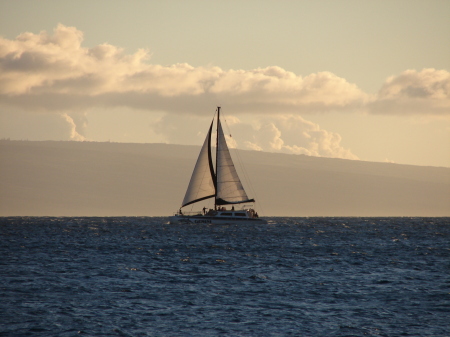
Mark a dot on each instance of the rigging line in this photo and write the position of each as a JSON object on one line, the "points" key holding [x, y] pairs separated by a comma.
{"points": [[246, 176]]}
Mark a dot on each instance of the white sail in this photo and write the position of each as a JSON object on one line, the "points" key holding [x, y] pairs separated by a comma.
{"points": [[201, 185], [229, 186]]}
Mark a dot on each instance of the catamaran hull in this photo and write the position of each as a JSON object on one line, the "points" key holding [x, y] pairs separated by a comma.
{"points": [[183, 219]]}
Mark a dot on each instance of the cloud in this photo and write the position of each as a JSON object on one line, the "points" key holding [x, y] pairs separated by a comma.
{"points": [[288, 134], [294, 135], [74, 127], [19, 124], [54, 72], [414, 92]]}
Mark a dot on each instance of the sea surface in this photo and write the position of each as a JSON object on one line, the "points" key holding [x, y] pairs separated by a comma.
{"points": [[140, 276]]}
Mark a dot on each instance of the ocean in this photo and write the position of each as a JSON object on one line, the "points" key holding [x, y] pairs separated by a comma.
{"points": [[140, 276]]}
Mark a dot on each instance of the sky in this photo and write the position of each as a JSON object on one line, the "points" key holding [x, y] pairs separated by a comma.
{"points": [[361, 80]]}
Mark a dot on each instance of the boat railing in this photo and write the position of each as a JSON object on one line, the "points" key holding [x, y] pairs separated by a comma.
{"points": [[196, 213]]}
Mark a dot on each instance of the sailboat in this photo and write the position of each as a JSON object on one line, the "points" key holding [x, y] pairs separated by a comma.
{"points": [[222, 184]]}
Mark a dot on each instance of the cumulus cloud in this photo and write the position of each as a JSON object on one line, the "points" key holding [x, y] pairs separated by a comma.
{"points": [[414, 92], [20, 124], [74, 134], [56, 72], [294, 135], [290, 134]]}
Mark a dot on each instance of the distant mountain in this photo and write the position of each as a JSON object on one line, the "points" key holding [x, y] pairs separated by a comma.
{"points": [[114, 179]]}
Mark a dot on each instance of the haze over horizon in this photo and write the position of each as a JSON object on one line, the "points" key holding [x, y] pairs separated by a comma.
{"points": [[354, 80]]}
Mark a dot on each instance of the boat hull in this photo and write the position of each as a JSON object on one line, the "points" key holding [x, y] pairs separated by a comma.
{"points": [[214, 220]]}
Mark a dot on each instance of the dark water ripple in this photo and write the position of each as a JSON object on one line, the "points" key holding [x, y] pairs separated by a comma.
{"points": [[292, 277]]}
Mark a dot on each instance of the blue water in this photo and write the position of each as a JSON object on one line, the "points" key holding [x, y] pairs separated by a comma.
{"points": [[292, 277]]}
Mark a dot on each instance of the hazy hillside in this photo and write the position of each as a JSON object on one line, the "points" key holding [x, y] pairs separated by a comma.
{"points": [[109, 179]]}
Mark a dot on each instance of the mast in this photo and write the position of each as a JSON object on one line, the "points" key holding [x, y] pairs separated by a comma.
{"points": [[217, 152]]}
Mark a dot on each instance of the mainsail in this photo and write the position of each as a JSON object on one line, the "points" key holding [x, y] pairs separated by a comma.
{"points": [[229, 186], [224, 184], [201, 185]]}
